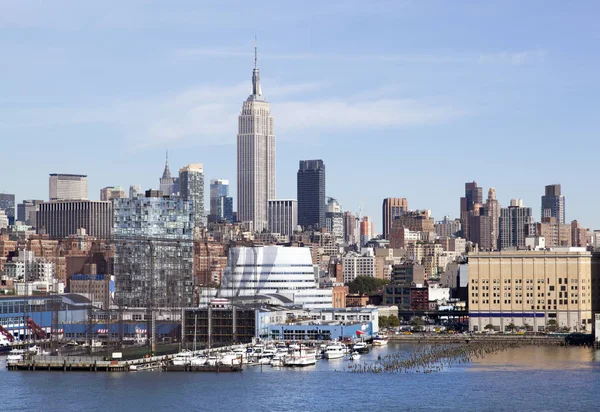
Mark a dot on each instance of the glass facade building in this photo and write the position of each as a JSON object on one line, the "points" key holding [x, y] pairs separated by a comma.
{"points": [[153, 263], [191, 188], [221, 205], [311, 194]]}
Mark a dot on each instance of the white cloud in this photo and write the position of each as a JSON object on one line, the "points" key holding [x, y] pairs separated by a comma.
{"points": [[208, 115], [513, 58]]}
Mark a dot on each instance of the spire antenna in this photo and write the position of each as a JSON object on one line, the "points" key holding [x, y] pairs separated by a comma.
{"points": [[255, 53]]}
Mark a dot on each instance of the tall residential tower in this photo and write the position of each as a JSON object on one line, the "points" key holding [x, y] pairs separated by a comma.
{"points": [[311, 194], [255, 156]]}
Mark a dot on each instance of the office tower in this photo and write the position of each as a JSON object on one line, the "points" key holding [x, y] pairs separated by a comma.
{"points": [[349, 228], [480, 227], [553, 204], [366, 230], [334, 219], [169, 186], [7, 203], [492, 209], [392, 208], [191, 187], [447, 227], [221, 204], [68, 187], [311, 194], [473, 196], [26, 211], [60, 219], [112, 192], [154, 248], [134, 191], [255, 157], [515, 223], [283, 216]]}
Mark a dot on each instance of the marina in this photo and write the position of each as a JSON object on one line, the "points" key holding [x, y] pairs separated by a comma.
{"points": [[487, 378]]}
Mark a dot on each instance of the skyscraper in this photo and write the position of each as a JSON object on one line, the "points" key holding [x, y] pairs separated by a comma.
{"points": [[221, 205], [283, 216], [169, 186], [255, 156], [191, 187], [311, 194], [515, 222], [7, 203], [492, 206], [473, 196], [392, 208], [553, 204], [26, 211], [112, 192], [68, 187]]}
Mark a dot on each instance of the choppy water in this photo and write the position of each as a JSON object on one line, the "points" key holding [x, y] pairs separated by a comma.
{"points": [[522, 379]]}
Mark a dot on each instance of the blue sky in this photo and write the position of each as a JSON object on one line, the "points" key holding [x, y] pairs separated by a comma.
{"points": [[399, 98]]}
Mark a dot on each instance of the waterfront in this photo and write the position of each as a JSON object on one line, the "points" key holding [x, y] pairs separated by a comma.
{"points": [[526, 378]]}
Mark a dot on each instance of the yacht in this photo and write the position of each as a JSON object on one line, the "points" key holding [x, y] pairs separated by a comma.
{"points": [[15, 355], [212, 360], [183, 358], [380, 340], [360, 347], [198, 361], [301, 357], [335, 351], [354, 356], [5, 344], [229, 359]]}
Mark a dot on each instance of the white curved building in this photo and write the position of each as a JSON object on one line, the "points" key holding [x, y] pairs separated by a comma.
{"points": [[286, 271]]}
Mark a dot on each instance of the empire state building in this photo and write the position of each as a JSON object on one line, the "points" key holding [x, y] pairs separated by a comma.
{"points": [[255, 156]]}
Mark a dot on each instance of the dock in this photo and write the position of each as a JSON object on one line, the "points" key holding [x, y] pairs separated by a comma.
{"points": [[84, 363], [191, 368]]}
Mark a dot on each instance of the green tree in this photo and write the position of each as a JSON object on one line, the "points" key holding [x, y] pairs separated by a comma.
{"points": [[417, 324], [366, 285], [394, 322], [489, 327], [511, 327], [552, 325], [384, 322]]}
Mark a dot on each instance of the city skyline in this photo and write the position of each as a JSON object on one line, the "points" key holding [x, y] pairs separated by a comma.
{"points": [[462, 96]]}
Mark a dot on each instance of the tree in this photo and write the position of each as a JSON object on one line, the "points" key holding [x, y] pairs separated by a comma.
{"points": [[383, 322], [489, 327], [417, 323], [511, 327], [394, 322], [552, 325], [366, 285]]}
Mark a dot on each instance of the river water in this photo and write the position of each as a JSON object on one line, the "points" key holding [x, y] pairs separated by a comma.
{"points": [[518, 379]]}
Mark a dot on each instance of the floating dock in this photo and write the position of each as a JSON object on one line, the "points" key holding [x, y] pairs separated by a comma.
{"points": [[191, 368]]}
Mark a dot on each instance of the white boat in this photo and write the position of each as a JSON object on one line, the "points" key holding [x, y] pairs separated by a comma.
{"points": [[198, 361], [212, 360], [229, 359], [360, 347], [182, 358], [380, 340], [15, 355], [301, 357], [278, 359], [354, 356], [335, 351]]}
